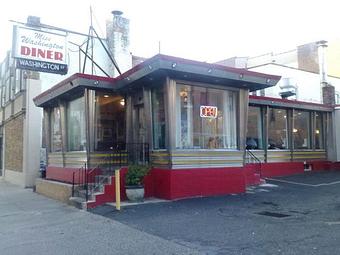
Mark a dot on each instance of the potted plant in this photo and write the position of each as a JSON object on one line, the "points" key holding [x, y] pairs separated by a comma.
{"points": [[134, 185]]}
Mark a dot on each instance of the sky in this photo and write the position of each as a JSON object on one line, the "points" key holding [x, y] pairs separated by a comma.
{"points": [[195, 29]]}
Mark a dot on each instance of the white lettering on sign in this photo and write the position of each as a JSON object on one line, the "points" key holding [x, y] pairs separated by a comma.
{"points": [[207, 111]]}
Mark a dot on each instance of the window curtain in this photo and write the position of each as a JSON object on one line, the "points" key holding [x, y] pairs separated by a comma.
{"points": [[229, 117]]}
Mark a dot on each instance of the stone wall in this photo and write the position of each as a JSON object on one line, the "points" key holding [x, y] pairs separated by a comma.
{"points": [[55, 190], [14, 143]]}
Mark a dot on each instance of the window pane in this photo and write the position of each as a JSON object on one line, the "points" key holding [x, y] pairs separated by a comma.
{"points": [[8, 88], [3, 96], [277, 129], [158, 118], [194, 130], [17, 80], [319, 131], [110, 121], [76, 125], [254, 129], [301, 130], [56, 144]]}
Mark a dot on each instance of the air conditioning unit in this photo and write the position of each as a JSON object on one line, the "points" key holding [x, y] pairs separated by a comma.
{"points": [[288, 87]]}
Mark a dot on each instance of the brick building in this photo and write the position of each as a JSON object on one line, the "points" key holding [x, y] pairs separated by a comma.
{"points": [[21, 145]]}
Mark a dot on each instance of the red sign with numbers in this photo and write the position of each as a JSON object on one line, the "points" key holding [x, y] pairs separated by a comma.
{"points": [[208, 111]]}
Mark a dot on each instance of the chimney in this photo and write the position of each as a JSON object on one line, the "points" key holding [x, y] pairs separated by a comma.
{"points": [[33, 21], [118, 37], [322, 45], [327, 90]]}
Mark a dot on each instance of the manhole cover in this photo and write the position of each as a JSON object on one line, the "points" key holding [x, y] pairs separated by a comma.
{"points": [[274, 214]]}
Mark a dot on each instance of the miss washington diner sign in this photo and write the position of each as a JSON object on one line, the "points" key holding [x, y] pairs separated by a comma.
{"points": [[39, 51]]}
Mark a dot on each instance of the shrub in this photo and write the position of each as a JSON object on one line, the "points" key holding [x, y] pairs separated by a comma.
{"points": [[135, 174]]}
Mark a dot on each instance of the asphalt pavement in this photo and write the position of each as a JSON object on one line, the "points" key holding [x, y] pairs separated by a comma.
{"points": [[292, 215]]}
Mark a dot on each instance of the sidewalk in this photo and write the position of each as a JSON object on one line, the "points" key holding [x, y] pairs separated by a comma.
{"points": [[33, 224]]}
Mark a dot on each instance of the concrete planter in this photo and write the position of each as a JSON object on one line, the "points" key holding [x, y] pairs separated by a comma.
{"points": [[135, 193]]}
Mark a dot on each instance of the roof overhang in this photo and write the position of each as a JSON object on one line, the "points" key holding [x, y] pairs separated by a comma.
{"points": [[155, 68], [72, 86], [286, 103], [184, 69]]}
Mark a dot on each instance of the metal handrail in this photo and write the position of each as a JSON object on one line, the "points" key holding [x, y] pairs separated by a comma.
{"points": [[127, 153], [255, 158], [89, 185], [81, 180]]}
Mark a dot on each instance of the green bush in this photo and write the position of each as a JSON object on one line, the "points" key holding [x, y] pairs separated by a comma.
{"points": [[135, 174]]}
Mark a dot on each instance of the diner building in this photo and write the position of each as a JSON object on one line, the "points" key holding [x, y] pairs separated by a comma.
{"points": [[193, 122]]}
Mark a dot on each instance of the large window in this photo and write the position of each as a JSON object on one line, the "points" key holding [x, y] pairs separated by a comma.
{"points": [[319, 131], [277, 129], [7, 90], [301, 130], [158, 118], [56, 143], [109, 126], [206, 118], [76, 136], [17, 81], [254, 128]]}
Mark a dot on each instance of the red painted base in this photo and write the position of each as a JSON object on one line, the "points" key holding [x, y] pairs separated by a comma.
{"points": [[63, 174], [282, 169], [335, 166], [185, 183], [252, 174], [322, 165], [182, 183]]}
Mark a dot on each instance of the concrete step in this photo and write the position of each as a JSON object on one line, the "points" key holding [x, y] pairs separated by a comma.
{"points": [[99, 194], [103, 179], [78, 202]]}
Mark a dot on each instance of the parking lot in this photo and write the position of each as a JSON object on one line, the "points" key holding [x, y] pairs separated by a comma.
{"points": [[290, 215]]}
